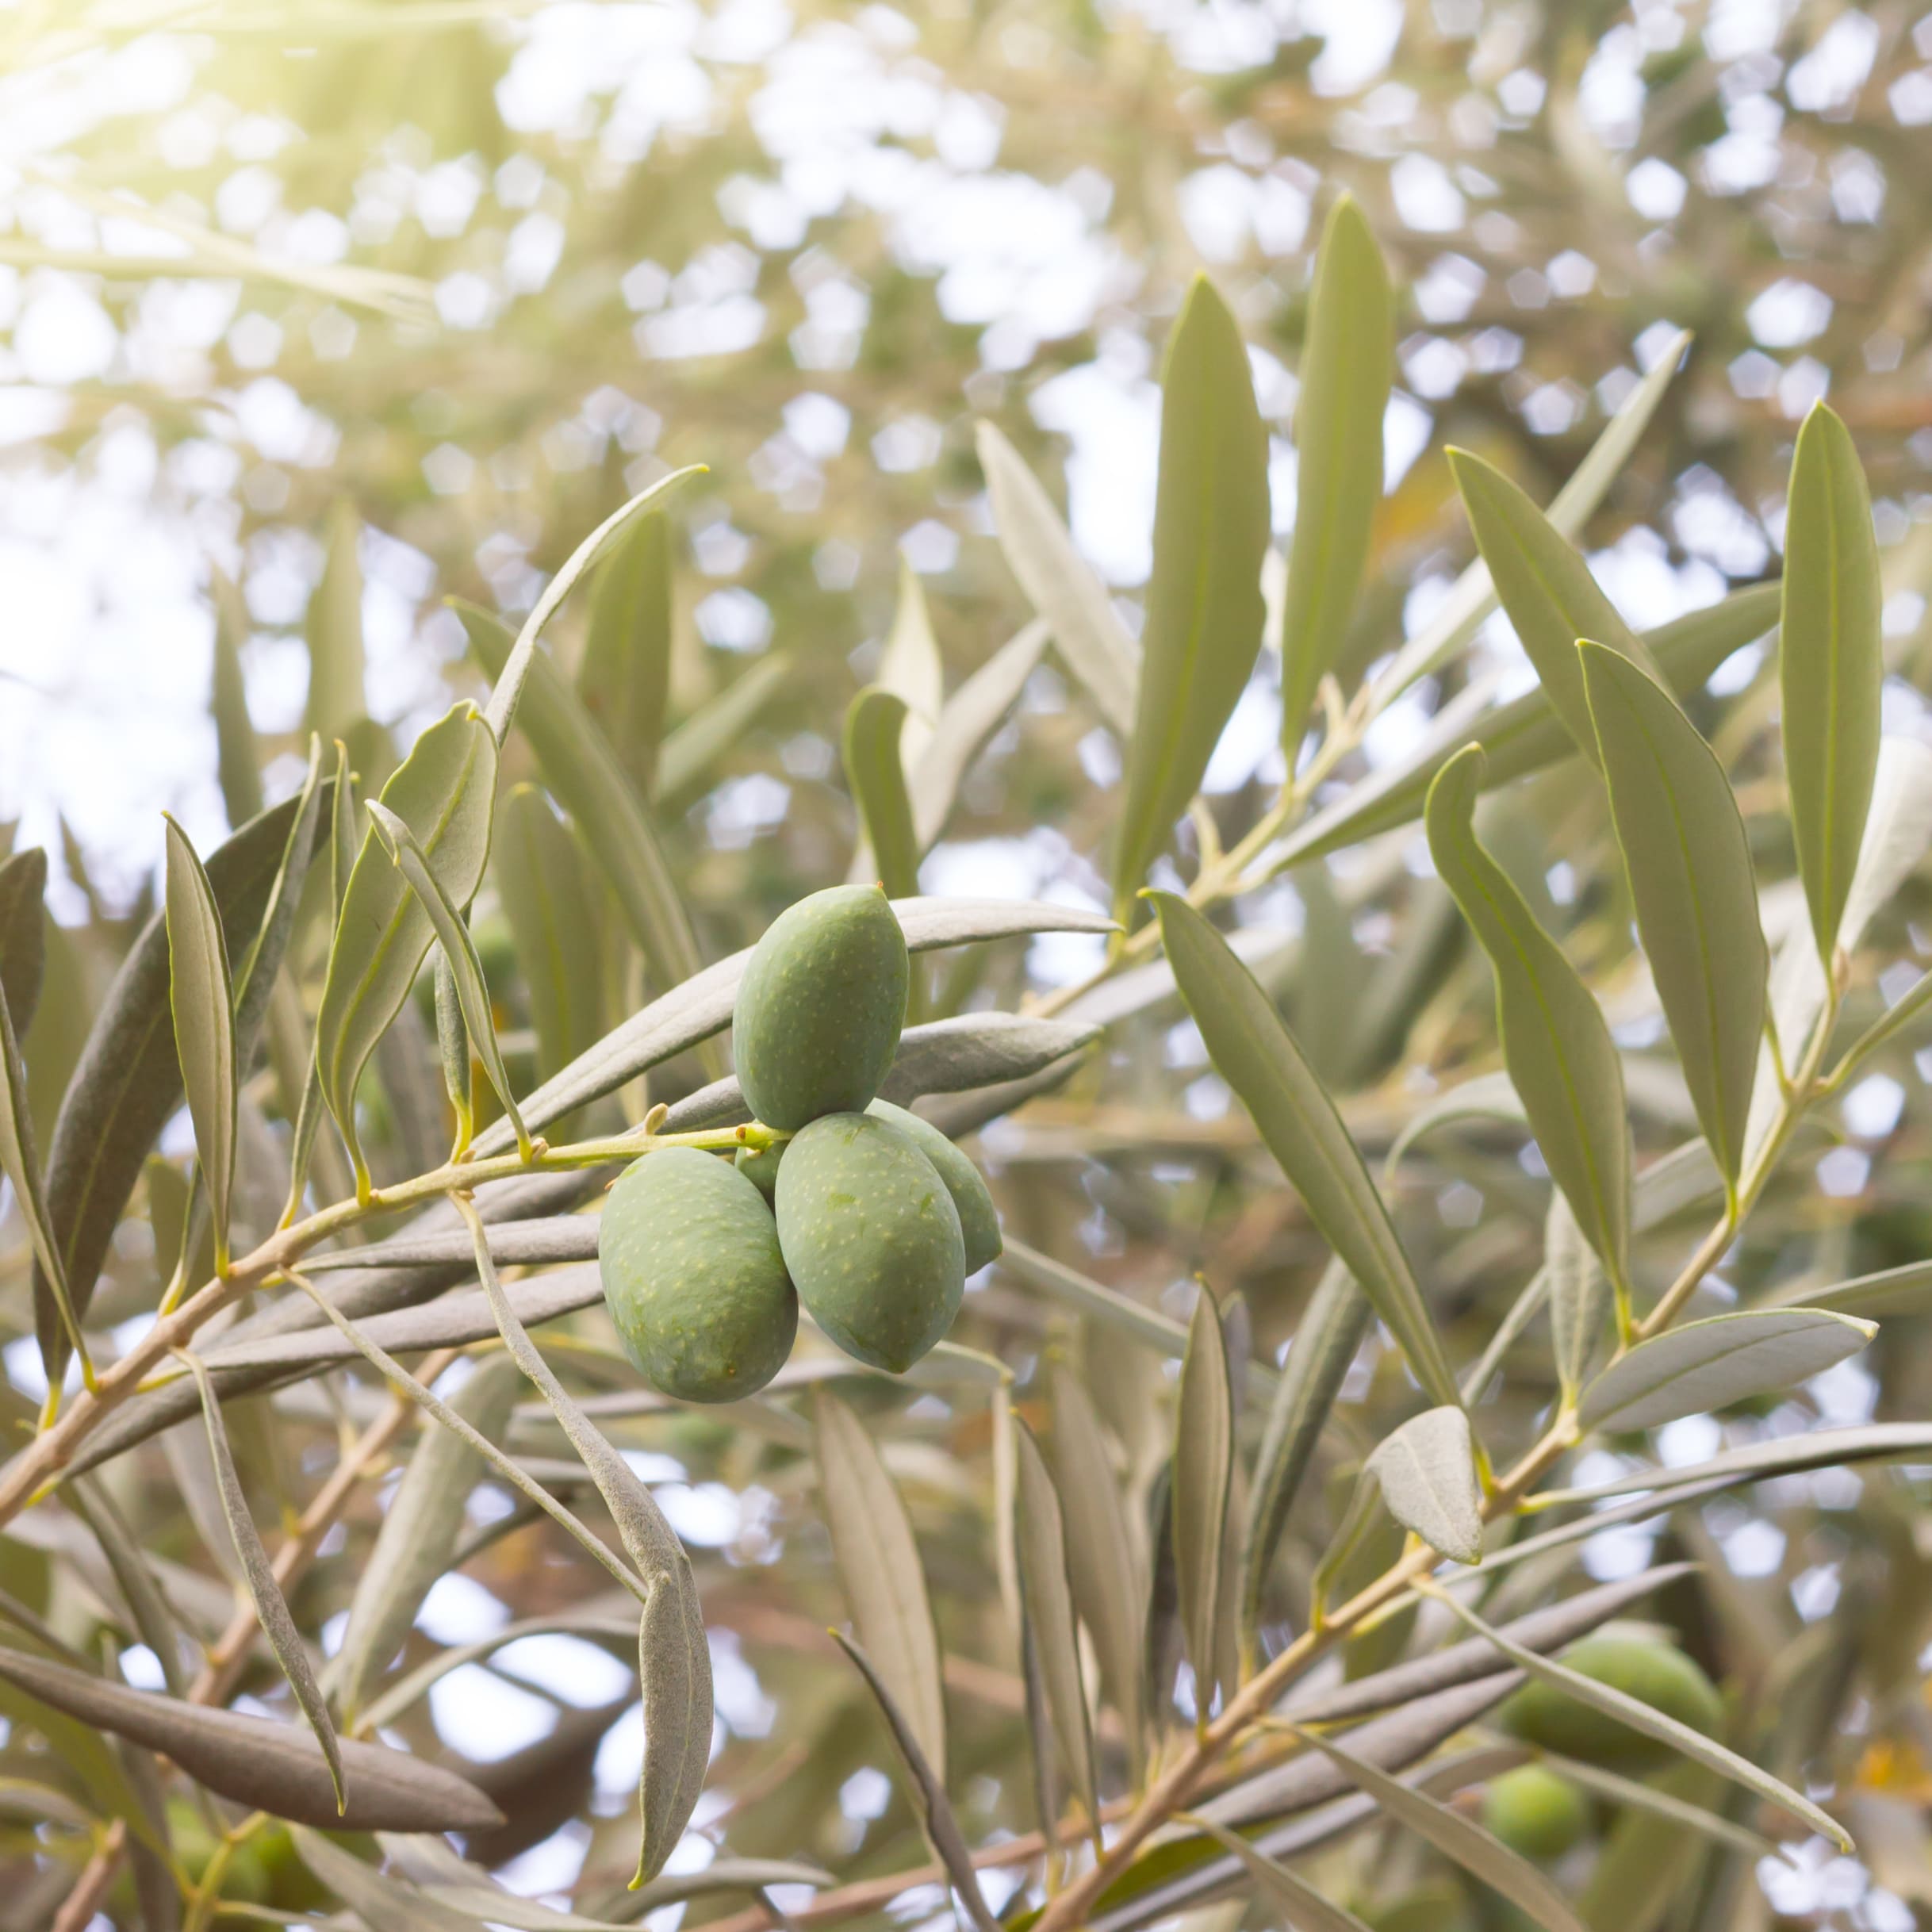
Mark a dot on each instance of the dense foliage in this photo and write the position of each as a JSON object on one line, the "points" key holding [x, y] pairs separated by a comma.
{"points": [[1425, 1428]]}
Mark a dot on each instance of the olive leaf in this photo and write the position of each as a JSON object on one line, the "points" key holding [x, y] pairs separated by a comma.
{"points": [[1652, 1723], [1524, 736], [910, 667], [1635, 1794], [876, 777], [966, 721], [581, 767], [554, 925], [941, 1828], [1330, 1330], [1426, 1470], [623, 678], [1546, 588], [515, 667], [333, 628], [459, 951], [689, 752], [271, 1607], [1830, 666], [1344, 378], [1906, 1290], [1456, 1837], [879, 1566], [1708, 1365], [380, 1902], [1257, 1057], [1109, 1592], [261, 1764], [674, 1659], [1579, 1294], [444, 791], [23, 932], [153, 1620], [1198, 1498], [419, 1535], [1690, 866], [1303, 1907], [1046, 1595], [1060, 583], [1556, 1044], [1204, 611], [201, 998], [127, 1083], [236, 752], [452, 1052]]}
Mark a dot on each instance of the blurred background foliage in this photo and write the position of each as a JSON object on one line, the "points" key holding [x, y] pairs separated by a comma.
{"points": [[316, 314]]}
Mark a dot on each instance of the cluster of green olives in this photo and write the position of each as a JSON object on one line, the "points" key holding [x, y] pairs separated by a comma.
{"points": [[865, 1212]]}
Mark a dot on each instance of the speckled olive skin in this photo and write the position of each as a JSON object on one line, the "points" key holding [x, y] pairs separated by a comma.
{"points": [[820, 1007], [872, 1237], [1642, 1667], [978, 1218], [694, 1278], [759, 1165]]}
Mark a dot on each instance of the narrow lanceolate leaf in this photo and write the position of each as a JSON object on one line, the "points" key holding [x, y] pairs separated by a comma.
{"points": [[1690, 866], [1047, 1595], [685, 760], [1555, 1041], [1204, 609], [968, 719], [1457, 1839], [444, 791], [502, 709], [582, 770], [20, 1164], [1297, 1901], [237, 757], [876, 775], [1109, 1589], [460, 951], [453, 1050], [1640, 1717], [942, 1829], [1635, 1794], [1546, 588], [1203, 1469], [878, 1566], [1060, 583], [419, 1534], [1579, 1292], [201, 998], [1428, 1473], [541, 883], [270, 1607], [911, 669], [382, 1903], [1330, 1332], [262, 1764], [23, 932], [334, 629], [674, 1659], [1830, 667], [1344, 392], [1708, 1365], [625, 673], [1257, 1057]]}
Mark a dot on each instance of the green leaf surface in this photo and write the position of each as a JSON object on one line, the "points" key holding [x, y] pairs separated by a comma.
{"points": [[1198, 1496], [445, 792], [1345, 377], [23, 932], [546, 895], [1052, 1628], [509, 675], [237, 755], [1253, 1052], [1690, 866], [910, 667], [1204, 607], [459, 951], [1640, 1717], [623, 678], [879, 1566], [1060, 583], [1906, 1290], [685, 760], [1305, 1909], [580, 768], [1831, 669], [1426, 1470], [966, 721], [1578, 1291], [1708, 1365], [1546, 588], [1556, 1044], [333, 628], [201, 999], [876, 775]]}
